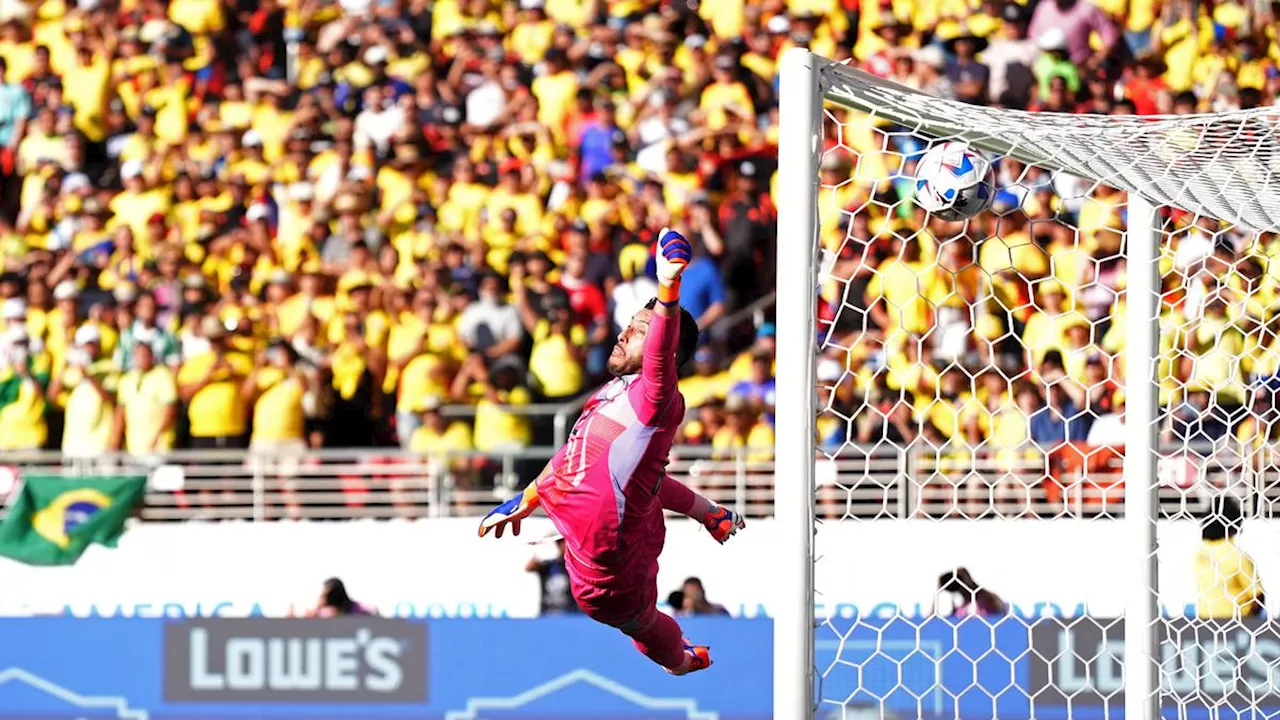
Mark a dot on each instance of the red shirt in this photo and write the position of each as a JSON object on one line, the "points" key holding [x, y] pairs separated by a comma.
{"points": [[1145, 93], [586, 299]]}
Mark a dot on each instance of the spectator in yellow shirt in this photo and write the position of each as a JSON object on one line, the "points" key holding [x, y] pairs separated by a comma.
{"points": [[436, 438], [1228, 583], [743, 429], [496, 426], [275, 390], [147, 404], [22, 403], [209, 385], [89, 427]]}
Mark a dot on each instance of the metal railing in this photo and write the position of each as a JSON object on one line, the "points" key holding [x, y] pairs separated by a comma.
{"points": [[862, 483]]}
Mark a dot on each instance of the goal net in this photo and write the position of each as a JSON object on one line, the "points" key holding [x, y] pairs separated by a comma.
{"points": [[1027, 461]]}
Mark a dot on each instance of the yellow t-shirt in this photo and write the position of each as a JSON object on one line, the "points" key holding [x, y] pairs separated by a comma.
{"points": [[726, 17], [217, 409], [530, 40], [134, 210], [1016, 251], [422, 377], [144, 398], [558, 373], [90, 420], [348, 366], [698, 389], [899, 283], [718, 96], [758, 443], [197, 16], [86, 87], [528, 209], [496, 428], [1227, 581], [22, 424], [555, 95], [277, 415], [456, 437]]}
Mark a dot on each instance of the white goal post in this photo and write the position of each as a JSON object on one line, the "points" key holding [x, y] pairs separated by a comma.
{"points": [[1217, 166]]}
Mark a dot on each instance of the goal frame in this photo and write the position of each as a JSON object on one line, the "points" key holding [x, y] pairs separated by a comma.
{"points": [[802, 93]]}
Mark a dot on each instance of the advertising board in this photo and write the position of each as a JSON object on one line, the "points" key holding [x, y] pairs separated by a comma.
{"points": [[569, 668], [427, 569]]}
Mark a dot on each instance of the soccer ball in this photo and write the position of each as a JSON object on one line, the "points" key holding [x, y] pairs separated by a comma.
{"points": [[954, 181]]}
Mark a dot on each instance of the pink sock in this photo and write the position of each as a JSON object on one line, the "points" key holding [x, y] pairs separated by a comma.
{"points": [[662, 642], [678, 498]]}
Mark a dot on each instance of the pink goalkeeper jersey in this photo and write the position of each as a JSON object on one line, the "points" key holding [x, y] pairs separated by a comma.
{"points": [[602, 491]]}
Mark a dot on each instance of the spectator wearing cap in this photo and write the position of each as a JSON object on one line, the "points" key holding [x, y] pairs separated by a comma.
{"points": [[147, 404], [209, 385], [86, 390]]}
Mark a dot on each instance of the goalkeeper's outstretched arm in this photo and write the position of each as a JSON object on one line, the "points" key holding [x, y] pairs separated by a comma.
{"points": [[659, 369]]}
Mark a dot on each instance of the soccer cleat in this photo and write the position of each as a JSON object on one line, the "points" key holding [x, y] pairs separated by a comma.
{"points": [[698, 657], [722, 523], [512, 511]]}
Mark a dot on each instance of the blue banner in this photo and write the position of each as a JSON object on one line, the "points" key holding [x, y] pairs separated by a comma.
{"points": [[570, 668]]}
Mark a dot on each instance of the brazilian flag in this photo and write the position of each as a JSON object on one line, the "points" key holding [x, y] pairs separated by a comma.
{"points": [[52, 519]]}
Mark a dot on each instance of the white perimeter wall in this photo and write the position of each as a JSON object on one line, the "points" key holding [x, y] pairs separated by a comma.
{"points": [[440, 567]]}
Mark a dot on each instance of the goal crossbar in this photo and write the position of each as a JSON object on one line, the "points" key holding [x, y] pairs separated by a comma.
{"points": [[1224, 165]]}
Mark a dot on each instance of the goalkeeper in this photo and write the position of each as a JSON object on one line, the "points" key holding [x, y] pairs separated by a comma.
{"points": [[606, 488]]}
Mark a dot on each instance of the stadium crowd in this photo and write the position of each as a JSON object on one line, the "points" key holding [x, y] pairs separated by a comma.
{"points": [[304, 223]]}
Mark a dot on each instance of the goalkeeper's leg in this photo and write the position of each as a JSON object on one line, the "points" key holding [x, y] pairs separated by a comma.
{"points": [[721, 522], [658, 637]]}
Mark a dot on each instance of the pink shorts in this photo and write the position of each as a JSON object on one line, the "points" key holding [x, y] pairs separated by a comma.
{"points": [[612, 600]]}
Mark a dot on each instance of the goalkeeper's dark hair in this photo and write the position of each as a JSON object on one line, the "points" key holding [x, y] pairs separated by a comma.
{"points": [[688, 334]]}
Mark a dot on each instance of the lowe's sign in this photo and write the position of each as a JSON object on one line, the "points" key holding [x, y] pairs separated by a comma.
{"points": [[260, 660], [570, 668]]}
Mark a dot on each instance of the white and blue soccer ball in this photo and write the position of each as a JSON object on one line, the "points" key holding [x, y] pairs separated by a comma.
{"points": [[954, 181]]}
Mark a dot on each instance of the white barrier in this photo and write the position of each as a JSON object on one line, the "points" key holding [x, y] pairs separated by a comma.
{"points": [[440, 568]]}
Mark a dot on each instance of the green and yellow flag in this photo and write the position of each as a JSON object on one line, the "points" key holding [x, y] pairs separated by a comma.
{"points": [[54, 518]]}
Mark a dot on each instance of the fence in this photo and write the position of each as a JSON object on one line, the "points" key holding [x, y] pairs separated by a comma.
{"points": [[1074, 481]]}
